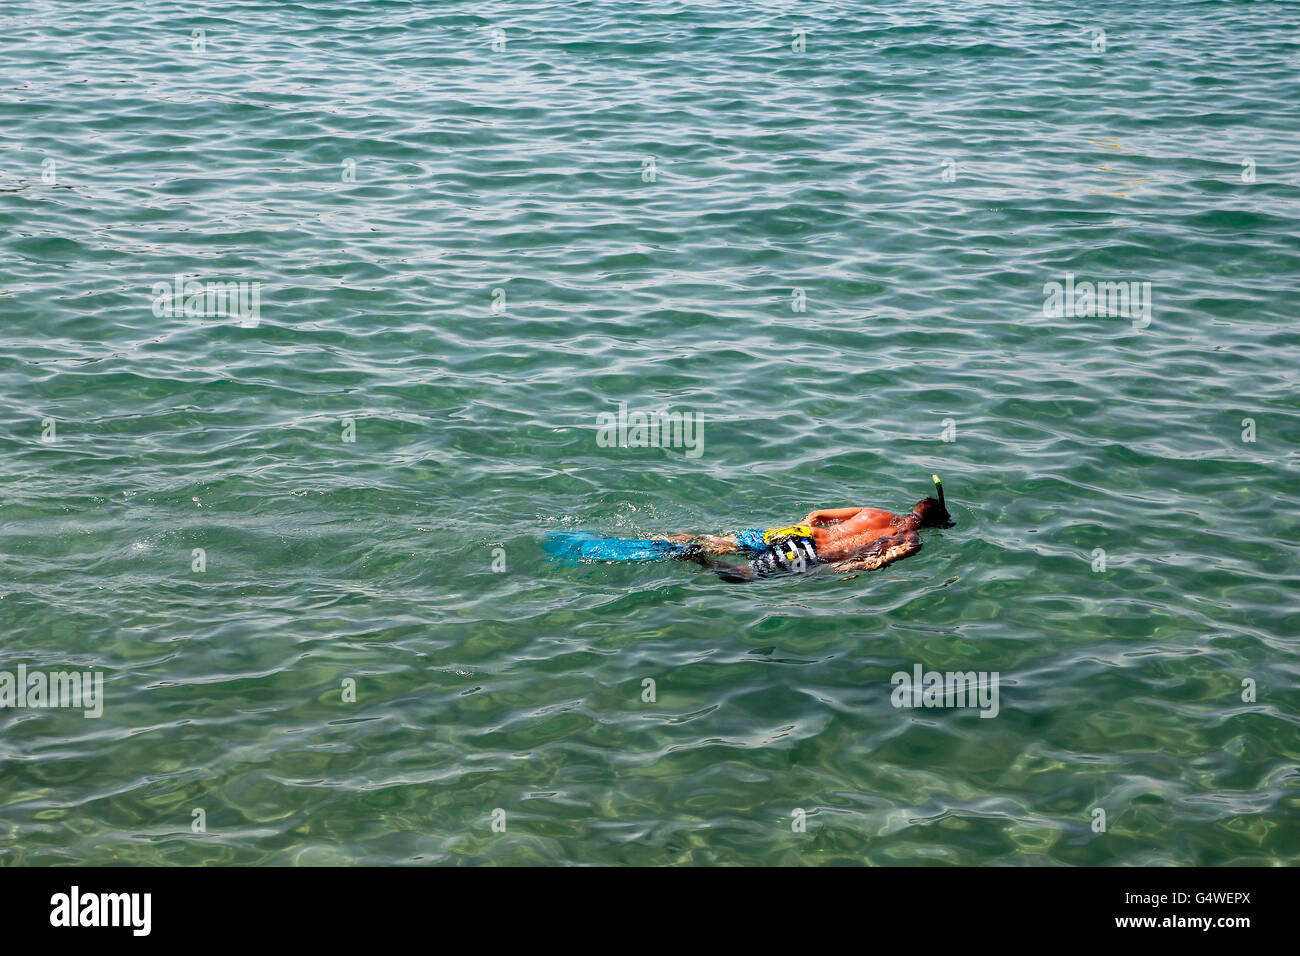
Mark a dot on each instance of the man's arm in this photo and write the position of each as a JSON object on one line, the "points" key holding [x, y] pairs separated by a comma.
{"points": [[830, 515], [884, 550]]}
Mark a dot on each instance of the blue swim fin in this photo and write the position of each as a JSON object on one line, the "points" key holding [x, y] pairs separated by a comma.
{"points": [[577, 546]]}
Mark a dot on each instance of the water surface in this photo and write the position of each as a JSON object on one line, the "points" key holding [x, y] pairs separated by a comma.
{"points": [[655, 189]]}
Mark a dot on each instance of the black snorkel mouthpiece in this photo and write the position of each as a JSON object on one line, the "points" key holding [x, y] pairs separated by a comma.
{"points": [[938, 490]]}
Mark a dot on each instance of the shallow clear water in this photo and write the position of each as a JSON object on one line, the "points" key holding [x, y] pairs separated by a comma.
{"points": [[920, 172]]}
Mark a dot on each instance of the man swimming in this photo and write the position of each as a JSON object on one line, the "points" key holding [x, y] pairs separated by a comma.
{"points": [[847, 539]]}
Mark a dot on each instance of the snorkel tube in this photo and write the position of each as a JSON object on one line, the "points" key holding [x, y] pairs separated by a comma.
{"points": [[938, 490]]}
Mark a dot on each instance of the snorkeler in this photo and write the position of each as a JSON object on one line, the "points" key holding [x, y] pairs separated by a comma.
{"points": [[847, 539]]}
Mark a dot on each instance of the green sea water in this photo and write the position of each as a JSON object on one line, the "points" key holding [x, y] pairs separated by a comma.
{"points": [[824, 228]]}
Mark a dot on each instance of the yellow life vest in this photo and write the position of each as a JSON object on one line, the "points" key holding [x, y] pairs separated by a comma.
{"points": [[781, 536], [794, 531]]}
